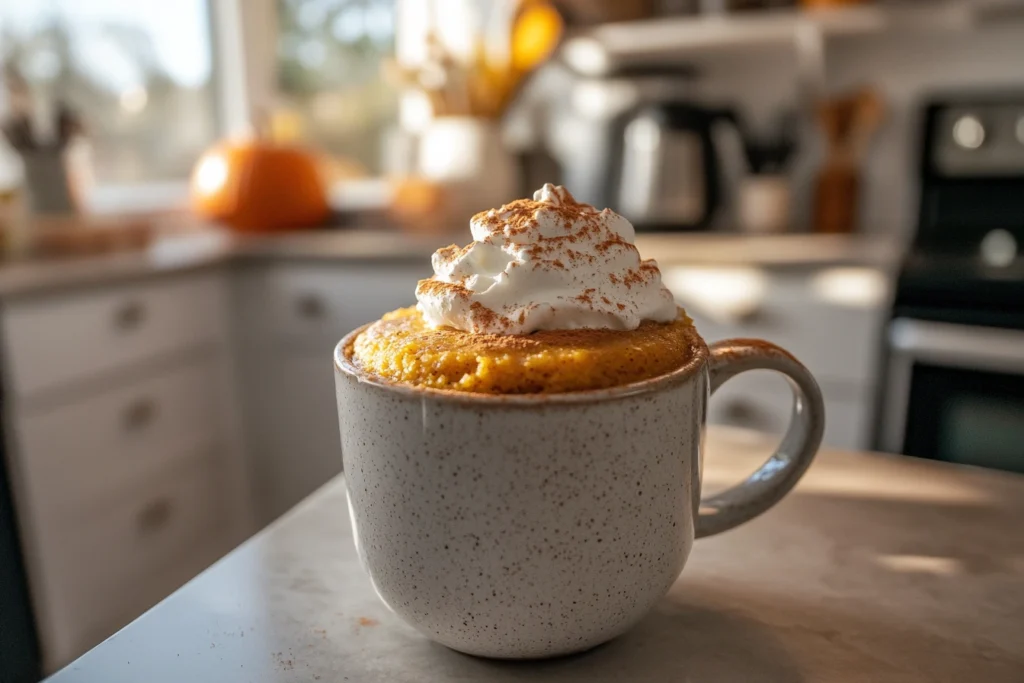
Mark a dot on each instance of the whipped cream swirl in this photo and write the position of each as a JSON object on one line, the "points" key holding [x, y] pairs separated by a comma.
{"points": [[547, 264]]}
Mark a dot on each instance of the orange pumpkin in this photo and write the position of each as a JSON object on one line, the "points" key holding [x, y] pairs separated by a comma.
{"points": [[257, 186]]}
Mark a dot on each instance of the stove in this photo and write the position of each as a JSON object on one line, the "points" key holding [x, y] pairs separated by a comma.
{"points": [[953, 384]]}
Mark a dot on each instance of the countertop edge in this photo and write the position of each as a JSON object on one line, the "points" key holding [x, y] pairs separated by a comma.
{"points": [[198, 250]]}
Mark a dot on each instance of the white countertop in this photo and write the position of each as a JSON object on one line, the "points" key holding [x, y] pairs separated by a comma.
{"points": [[200, 249], [876, 568]]}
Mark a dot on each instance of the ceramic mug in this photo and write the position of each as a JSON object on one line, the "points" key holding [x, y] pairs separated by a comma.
{"points": [[540, 525]]}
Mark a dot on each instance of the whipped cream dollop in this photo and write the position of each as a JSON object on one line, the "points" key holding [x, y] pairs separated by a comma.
{"points": [[550, 263]]}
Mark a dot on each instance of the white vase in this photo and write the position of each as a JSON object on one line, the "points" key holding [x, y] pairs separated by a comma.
{"points": [[465, 156]]}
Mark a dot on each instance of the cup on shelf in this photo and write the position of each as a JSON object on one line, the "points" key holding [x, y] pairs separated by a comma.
{"points": [[765, 203]]}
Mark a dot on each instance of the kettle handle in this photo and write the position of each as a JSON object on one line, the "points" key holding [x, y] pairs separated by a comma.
{"points": [[712, 164]]}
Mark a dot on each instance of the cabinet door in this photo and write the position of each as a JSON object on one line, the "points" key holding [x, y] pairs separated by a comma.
{"points": [[309, 307], [289, 317], [294, 429]]}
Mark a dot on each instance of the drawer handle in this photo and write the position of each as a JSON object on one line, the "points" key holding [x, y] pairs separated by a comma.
{"points": [[129, 316], [746, 413], [154, 516], [310, 306], [139, 414]]}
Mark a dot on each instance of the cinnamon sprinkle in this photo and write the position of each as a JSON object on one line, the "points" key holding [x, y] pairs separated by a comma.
{"points": [[645, 273], [480, 315], [603, 247], [436, 288], [452, 253], [520, 216]]}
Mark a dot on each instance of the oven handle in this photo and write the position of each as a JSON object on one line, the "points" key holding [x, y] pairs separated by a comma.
{"points": [[965, 346], [944, 344]]}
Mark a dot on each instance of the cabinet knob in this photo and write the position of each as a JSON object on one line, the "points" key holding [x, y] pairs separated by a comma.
{"points": [[755, 314], [129, 316], [139, 414], [310, 306], [745, 413], [154, 516]]}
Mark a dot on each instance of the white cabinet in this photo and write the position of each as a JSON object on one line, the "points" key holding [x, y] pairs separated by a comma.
{"points": [[289, 317], [124, 448], [54, 341], [829, 317]]}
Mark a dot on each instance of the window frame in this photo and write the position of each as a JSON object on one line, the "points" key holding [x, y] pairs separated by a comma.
{"points": [[243, 36], [243, 71]]}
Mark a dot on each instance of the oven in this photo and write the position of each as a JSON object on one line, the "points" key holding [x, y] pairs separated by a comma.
{"points": [[955, 392], [953, 372]]}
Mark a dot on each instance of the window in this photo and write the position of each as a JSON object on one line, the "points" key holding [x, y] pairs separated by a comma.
{"points": [[137, 72], [155, 82], [329, 86]]}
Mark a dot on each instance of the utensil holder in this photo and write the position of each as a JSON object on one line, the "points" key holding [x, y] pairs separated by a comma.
{"points": [[48, 181]]}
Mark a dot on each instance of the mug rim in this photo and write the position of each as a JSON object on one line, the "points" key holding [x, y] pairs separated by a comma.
{"points": [[697, 360]]}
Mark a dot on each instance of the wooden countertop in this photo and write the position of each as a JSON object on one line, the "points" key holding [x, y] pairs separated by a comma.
{"points": [[876, 568]]}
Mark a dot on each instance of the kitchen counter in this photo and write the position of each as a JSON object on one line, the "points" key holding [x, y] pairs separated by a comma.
{"points": [[201, 248], [877, 568]]}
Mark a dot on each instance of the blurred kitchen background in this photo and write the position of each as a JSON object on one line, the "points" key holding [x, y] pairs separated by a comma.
{"points": [[197, 199]]}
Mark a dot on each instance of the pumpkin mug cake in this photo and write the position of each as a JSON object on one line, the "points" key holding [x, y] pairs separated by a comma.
{"points": [[522, 449], [550, 297]]}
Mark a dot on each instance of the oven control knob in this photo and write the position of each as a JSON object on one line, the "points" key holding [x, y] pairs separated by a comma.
{"points": [[969, 132], [999, 248]]}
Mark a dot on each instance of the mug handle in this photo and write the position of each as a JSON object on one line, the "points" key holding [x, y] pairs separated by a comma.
{"points": [[780, 473]]}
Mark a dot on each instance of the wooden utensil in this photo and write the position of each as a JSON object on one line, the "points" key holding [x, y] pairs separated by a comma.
{"points": [[849, 123]]}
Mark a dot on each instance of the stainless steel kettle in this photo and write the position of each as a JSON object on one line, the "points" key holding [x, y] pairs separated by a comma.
{"points": [[667, 176]]}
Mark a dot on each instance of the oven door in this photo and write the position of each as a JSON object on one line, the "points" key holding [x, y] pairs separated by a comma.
{"points": [[955, 393]]}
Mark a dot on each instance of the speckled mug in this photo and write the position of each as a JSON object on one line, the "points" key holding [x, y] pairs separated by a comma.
{"points": [[541, 525]]}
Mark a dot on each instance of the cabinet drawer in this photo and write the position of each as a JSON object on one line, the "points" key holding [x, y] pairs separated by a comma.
{"points": [[830, 319], [62, 338], [313, 306], [99, 446], [114, 560], [762, 401]]}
